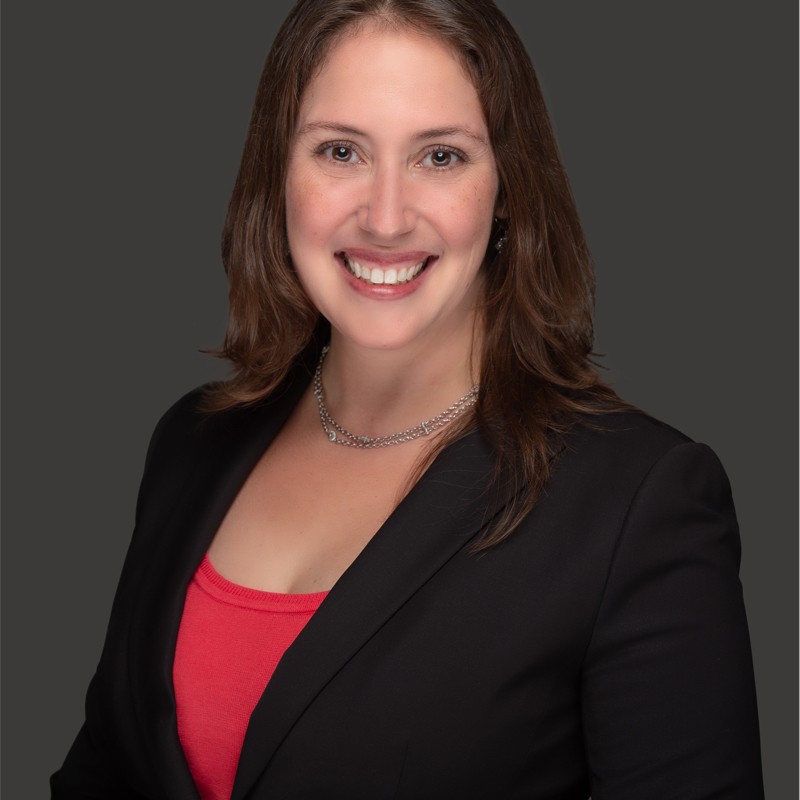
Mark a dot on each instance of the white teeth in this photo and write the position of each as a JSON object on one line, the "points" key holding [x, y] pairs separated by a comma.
{"points": [[377, 276]]}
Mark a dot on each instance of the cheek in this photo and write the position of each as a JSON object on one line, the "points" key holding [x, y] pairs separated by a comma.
{"points": [[303, 210], [471, 219], [314, 207], [293, 205]]}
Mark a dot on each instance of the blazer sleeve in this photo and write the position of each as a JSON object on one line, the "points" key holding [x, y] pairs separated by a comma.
{"points": [[89, 772], [668, 697], [92, 769]]}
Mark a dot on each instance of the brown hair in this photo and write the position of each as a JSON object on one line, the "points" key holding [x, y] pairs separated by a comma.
{"points": [[537, 376]]}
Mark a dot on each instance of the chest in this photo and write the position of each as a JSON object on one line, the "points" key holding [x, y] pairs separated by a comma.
{"points": [[307, 510]]}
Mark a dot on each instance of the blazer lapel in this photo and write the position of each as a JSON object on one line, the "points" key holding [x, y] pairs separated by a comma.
{"points": [[185, 531], [442, 513]]}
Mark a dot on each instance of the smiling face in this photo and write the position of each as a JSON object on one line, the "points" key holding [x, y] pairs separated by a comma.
{"points": [[390, 191]]}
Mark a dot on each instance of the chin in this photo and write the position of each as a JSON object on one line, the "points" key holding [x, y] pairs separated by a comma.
{"points": [[389, 340]]}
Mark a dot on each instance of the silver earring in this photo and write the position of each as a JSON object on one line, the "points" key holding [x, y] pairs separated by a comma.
{"points": [[502, 237]]}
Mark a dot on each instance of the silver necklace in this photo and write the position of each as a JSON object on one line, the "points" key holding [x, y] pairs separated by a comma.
{"points": [[339, 435]]}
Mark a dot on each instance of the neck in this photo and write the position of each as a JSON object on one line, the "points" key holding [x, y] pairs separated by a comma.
{"points": [[378, 392]]}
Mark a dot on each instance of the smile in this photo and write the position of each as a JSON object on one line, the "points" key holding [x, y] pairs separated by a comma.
{"points": [[389, 276]]}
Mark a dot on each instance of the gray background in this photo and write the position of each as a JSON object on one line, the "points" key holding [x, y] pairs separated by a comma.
{"points": [[123, 128]]}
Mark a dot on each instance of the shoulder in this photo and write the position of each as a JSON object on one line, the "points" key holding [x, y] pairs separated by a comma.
{"points": [[187, 434], [622, 443], [174, 445], [616, 459], [179, 429], [188, 427], [640, 451], [633, 432]]}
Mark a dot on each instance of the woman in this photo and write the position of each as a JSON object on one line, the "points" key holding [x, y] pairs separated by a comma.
{"points": [[415, 547]]}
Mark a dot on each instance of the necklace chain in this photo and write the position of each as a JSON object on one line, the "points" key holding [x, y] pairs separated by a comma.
{"points": [[339, 435]]}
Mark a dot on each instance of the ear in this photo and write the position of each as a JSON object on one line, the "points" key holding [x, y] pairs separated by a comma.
{"points": [[500, 210]]}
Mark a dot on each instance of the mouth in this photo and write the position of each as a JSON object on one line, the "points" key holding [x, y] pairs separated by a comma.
{"points": [[388, 275]]}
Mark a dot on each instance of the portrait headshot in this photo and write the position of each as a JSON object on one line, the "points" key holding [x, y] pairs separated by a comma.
{"points": [[400, 400]]}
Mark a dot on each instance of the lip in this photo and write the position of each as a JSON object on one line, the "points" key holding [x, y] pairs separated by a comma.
{"points": [[382, 259], [377, 291]]}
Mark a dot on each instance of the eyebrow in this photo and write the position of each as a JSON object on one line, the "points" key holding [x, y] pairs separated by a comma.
{"points": [[430, 133]]}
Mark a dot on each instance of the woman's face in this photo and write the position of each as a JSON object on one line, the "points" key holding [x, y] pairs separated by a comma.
{"points": [[391, 190]]}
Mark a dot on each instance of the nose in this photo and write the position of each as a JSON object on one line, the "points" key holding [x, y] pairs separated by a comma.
{"points": [[387, 211]]}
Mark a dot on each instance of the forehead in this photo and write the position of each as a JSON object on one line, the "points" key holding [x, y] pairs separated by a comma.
{"points": [[378, 74]]}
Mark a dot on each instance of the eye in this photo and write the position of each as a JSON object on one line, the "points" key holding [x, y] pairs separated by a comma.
{"points": [[441, 157], [340, 153]]}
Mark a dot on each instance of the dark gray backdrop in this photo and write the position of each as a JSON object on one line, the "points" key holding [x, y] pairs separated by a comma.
{"points": [[123, 126]]}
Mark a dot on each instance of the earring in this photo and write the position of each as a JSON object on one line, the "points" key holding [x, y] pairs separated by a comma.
{"points": [[502, 233]]}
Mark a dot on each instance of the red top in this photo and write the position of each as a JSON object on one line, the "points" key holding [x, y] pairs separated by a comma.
{"points": [[230, 640]]}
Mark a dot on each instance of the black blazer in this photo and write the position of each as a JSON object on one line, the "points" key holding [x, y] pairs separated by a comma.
{"points": [[601, 649]]}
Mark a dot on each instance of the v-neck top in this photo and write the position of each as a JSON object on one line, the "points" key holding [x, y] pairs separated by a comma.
{"points": [[230, 641]]}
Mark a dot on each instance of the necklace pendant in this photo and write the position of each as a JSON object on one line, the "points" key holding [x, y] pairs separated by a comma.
{"points": [[332, 435]]}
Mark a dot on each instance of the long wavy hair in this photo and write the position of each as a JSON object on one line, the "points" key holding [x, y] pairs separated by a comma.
{"points": [[537, 375]]}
